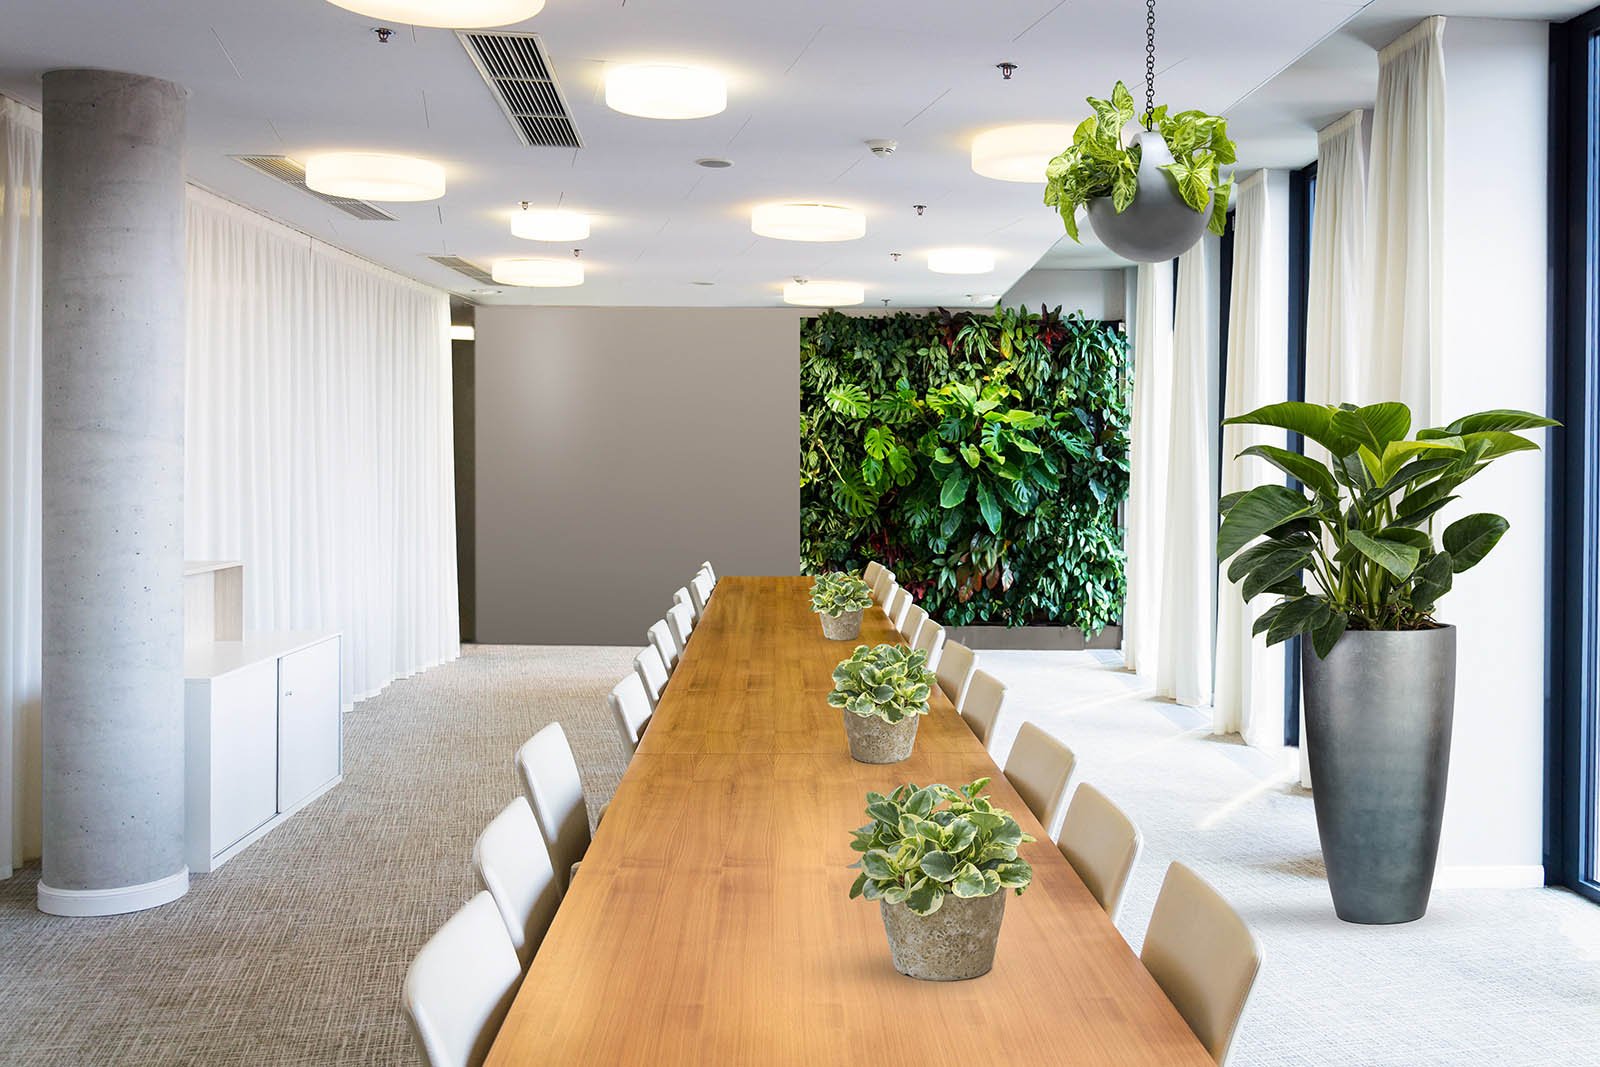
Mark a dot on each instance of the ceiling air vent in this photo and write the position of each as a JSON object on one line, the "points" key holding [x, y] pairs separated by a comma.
{"points": [[465, 266], [289, 172], [519, 76]]}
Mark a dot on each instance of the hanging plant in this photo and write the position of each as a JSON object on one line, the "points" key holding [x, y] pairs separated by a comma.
{"points": [[1151, 196]]}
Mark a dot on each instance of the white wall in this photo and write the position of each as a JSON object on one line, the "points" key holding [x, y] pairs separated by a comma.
{"points": [[1495, 356], [1099, 294]]}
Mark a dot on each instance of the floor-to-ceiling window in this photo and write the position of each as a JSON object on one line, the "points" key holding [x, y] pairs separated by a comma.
{"points": [[1302, 206]]}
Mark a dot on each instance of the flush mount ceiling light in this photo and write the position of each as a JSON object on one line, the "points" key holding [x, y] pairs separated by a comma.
{"points": [[665, 91], [808, 222], [374, 176], [823, 294], [549, 224], [539, 273], [1019, 153], [961, 261], [450, 14]]}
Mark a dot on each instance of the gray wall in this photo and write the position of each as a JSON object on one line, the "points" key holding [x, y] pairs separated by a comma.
{"points": [[1099, 294], [616, 448]]}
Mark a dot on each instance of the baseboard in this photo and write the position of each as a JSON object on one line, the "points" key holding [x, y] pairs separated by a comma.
{"points": [[1509, 876], [80, 903]]}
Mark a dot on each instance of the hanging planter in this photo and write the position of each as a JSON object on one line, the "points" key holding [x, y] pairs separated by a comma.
{"points": [[1151, 196]]}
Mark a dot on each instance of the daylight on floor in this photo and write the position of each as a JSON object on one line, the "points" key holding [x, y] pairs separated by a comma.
{"points": [[722, 533]]}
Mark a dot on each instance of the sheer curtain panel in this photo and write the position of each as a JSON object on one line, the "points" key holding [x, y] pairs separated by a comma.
{"points": [[1336, 335], [20, 415], [319, 441], [1147, 465]]}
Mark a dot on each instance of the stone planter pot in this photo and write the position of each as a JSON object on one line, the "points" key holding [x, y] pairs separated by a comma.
{"points": [[846, 627], [874, 741], [1158, 225], [954, 943], [1378, 717]]}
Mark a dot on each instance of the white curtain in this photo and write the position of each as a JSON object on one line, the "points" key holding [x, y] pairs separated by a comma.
{"points": [[1189, 522], [1147, 465], [20, 415], [1249, 697], [319, 441], [1405, 223], [1336, 313]]}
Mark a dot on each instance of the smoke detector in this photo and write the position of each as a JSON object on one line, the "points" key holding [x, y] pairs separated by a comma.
{"points": [[882, 147]]}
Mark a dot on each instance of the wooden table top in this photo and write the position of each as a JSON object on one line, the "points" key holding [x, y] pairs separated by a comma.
{"points": [[711, 921]]}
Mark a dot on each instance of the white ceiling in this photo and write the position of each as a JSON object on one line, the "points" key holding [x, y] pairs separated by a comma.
{"points": [[809, 82]]}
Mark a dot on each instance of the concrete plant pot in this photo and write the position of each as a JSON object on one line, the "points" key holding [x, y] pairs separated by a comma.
{"points": [[1158, 225], [846, 627], [874, 741], [954, 943], [1378, 717]]}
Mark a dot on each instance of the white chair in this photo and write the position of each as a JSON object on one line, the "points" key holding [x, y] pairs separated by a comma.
{"points": [[652, 674], [681, 623], [931, 640], [911, 625], [1203, 956], [661, 638], [870, 572], [955, 667], [896, 607], [460, 986], [512, 863], [1040, 768], [682, 597], [1101, 843], [550, 780], [981, 706], [631, 704], [700, 587], [883, 586], [705, 565]]}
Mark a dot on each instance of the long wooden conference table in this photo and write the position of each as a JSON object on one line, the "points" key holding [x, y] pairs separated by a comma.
{"points": [[710, 923]]}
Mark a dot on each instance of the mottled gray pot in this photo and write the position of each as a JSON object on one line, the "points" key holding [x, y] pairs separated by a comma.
{"points": [[874, 741], [1378, 716], [846, 627], [1158, 225], [953, 943]]}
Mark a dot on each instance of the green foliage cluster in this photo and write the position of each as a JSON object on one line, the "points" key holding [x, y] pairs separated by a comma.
{"points": [[891, 682], [1360, 525], [980, 456], [836, 593], [1098, 163], [925, 842]]}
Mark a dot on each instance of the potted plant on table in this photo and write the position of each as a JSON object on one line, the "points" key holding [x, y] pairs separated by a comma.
{"points": [[1378, 669], [938, 861], [883, 691], [840, 598]]}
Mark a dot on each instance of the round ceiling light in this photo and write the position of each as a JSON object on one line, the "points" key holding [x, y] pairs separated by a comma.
{"points": [[665, 91], [449, 14], [961, 261], [808, 222], [553, 224], [1019, 153], [539, 273], [823, 294], [374, 176]]}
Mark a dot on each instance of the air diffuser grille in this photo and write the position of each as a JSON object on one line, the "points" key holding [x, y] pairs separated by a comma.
{"points": [[289, 172], [465, 266], [519, 76]]}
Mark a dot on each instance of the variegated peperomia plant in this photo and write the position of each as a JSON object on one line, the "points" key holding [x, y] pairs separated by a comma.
{"points": [[925, 842], [891, 682], [836, 593]]}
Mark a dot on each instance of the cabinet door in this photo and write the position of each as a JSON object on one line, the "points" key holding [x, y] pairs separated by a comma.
{"points": [[308, 721], [244, 729]]}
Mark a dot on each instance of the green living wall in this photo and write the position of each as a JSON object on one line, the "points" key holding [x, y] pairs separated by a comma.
{"points": [[981, 456]]}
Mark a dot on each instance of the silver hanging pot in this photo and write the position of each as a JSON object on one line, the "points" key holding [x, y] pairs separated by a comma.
{"points": [[1158, 225]]}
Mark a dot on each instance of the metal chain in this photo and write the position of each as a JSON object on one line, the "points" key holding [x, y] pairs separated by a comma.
{"points": [[1149, 64]]}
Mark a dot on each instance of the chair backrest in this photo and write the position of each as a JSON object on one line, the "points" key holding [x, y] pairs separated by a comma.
{"points": [[1203, 956], [630, 700], [460, 986], [512, 863], [870, 572], [911, 625], [931, 640], [682, 597], [652, 672], [681, 622], [955, 670], [883, 586], [705, 565], [550, 780], [1101, 843], [899, 601], [981, 706], [700, 587], [1040, 769], [661, 637]]}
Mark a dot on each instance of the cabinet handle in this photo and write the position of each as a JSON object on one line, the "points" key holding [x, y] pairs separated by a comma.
{"points": [[288, 692]]}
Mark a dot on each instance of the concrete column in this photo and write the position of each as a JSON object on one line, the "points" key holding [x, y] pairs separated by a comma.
{"points": [[113, 192]]}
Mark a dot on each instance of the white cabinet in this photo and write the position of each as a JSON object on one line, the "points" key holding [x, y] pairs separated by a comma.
{"points": [[308, 722]]}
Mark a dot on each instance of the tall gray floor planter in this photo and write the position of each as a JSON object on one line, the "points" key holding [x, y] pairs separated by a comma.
{"points": [[1378, 715]]}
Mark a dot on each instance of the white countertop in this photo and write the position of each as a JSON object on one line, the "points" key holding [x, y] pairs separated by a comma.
{"points": [[213, 658]]}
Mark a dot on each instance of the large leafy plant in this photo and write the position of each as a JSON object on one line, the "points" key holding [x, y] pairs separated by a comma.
{"points": [[1100, 163], [836, 593], [891, 682], [1360, 525], [923, 843]]}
